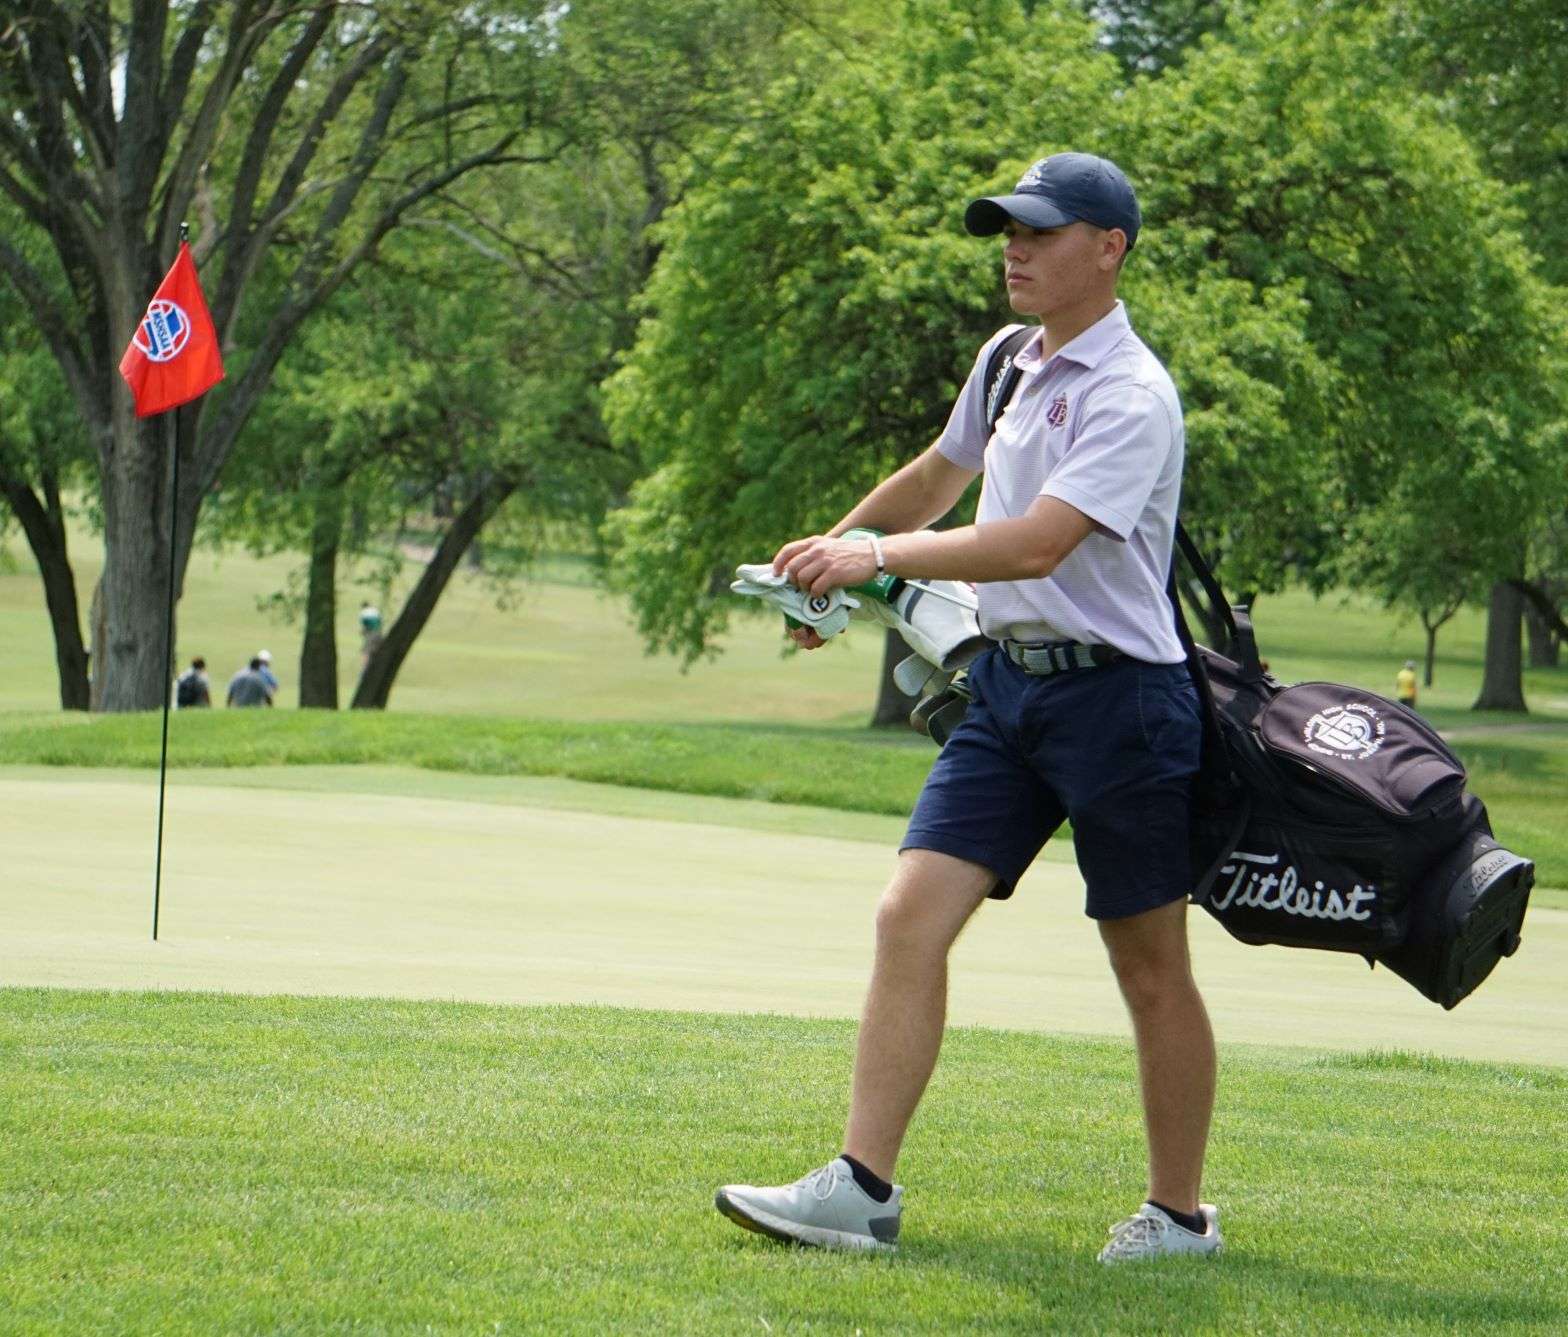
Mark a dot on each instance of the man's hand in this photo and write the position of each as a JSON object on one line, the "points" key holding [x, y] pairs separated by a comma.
{"points": [[818, 565]]}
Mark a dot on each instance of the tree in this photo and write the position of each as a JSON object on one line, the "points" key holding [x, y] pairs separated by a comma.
{"points": [[274, 123], [1147, 36], [43, 454], [816, 302], [464, 363], [1286, 160]]}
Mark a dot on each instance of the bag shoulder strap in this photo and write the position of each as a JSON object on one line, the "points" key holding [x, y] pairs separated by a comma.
{"points": [[1001, 375]]}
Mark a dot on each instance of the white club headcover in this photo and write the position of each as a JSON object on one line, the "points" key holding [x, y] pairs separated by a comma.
{"points": [[937, 620], [826, 614], [919, 677]]}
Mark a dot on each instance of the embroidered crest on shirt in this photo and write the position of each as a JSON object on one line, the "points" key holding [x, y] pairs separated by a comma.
{"points": [[1056, 415]]}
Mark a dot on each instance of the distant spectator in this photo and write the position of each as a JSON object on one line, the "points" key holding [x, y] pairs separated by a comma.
{"points": [[1405, 684], [249, 687], [369, 631], [264, 659], [191, 688]]}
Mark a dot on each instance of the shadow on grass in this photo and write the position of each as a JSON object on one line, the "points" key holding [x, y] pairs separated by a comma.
{"points": [[1233, 1292]]}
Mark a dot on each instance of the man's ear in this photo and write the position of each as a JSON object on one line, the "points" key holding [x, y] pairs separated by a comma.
{"points": [[1113, 248]]}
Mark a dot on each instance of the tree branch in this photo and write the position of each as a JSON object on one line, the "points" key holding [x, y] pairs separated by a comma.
{"points": [[54, 326], [258, 142], [245, 250], [1544, 604], [198, 143], [92, 57], [181, 64], [144, 134]]}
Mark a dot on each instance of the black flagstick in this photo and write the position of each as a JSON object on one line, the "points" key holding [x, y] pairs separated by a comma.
{"points": [[168, 641]]}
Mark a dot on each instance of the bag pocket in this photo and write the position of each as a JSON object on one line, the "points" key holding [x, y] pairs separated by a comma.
{"points": [[1304, 887], [1363, 746]]}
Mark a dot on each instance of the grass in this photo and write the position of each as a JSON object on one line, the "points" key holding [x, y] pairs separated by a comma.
{"points": [[1523, 777], [196, 1163], [862, 771]]}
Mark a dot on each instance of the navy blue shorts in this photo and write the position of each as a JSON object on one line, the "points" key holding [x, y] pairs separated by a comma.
{"points": [[1115, 749]]}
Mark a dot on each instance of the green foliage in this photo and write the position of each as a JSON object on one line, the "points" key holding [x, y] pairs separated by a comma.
{"points": [[194, 1163], [1500, 72], [817, 303], [1151, 35], [1286, 160], [1340, 291]]}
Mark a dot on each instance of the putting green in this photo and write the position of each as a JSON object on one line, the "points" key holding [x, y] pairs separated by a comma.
{"points": [[365, 880]]}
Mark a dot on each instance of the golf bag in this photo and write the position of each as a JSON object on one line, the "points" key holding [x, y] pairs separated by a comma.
{"points": [[1330, 817]]}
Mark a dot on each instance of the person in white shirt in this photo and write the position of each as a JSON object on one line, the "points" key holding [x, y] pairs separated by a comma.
{"points": [[1083, 710]]}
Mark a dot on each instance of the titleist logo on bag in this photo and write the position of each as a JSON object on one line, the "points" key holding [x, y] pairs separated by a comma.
{"points": [[1246, 881]]}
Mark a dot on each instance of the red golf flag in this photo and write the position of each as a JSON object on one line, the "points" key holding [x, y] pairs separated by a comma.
{"points": [[173, 356]]}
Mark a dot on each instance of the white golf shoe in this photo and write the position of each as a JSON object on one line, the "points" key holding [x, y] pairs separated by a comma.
{"points": [[826, 1208], [1152, 1234]]}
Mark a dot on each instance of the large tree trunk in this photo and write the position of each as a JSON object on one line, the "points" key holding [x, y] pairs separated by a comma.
{"points": [[375, 683], [318, 658], [1431, 656], [98, 635], [44, 524], [1502, 685], [893, 706], [136, 478], [1545, 647]]}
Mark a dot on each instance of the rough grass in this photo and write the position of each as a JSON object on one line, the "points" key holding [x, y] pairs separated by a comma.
{"points": [[193, 1164]]}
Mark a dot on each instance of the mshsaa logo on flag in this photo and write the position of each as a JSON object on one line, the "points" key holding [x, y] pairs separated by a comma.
{"points": [[164, 331]]}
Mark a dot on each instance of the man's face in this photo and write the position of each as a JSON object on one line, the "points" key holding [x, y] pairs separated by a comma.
{"points": [[1054, 269]]}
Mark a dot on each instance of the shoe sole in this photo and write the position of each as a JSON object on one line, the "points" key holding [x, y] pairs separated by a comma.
{"points": [[792, 1232]]}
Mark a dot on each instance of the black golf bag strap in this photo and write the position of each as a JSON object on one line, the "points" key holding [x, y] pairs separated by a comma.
{"points": [[1217, 786], [1215, 769], [1241, 644], [1001, 373]]}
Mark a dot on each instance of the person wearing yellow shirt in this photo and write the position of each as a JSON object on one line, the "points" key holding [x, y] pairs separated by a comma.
{"points": [[1405, 684]]}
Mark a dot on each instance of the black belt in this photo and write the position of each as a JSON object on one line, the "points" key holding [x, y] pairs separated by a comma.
{"points": [[1050, 657]]}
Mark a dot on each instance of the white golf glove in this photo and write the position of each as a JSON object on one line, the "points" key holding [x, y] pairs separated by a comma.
{"points": [[826, 614]]}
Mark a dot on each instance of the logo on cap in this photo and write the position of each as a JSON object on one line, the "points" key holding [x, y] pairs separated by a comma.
{"points": [[1035, 176]]}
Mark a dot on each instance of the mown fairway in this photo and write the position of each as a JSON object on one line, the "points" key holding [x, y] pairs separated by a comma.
{"points": [[198, 1164], [356, 880]]}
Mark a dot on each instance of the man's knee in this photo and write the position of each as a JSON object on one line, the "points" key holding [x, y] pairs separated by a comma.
{"points": [[928, 901], [1149, 956]]}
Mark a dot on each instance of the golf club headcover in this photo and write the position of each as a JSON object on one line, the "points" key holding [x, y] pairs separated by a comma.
{"points": [[826, 614], [917, 676], [939, 714], [937, 620]]}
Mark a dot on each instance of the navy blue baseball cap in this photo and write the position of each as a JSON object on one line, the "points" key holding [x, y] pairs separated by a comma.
{"points": [[1064, 188]]}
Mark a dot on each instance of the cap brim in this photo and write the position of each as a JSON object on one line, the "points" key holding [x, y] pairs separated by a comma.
{"points": [[987, 217]]}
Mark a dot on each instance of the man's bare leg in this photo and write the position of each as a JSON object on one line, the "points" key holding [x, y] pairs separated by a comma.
{"points": [[925, 907], [1176, 1063]]}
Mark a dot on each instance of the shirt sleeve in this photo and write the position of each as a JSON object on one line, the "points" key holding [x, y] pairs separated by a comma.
{"points": [[1119, 451], [965, 437]]}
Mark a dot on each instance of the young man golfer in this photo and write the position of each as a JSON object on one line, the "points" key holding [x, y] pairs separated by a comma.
{"points": [[1083, 709]]}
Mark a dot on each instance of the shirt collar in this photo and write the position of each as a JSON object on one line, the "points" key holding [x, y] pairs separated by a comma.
{"points": [[1090, 347]]}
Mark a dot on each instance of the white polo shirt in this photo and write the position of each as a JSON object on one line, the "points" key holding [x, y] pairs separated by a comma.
{"points": [[1098, 426]]}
